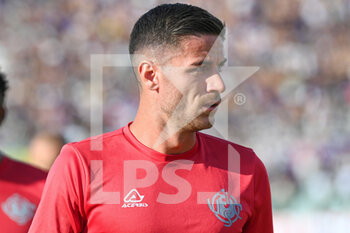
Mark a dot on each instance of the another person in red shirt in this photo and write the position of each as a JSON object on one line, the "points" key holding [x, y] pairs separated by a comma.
{"points": [[21, 186], [159, 174]]}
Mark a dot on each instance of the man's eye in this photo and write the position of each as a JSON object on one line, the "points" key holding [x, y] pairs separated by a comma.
{"points": [[202, 68]]}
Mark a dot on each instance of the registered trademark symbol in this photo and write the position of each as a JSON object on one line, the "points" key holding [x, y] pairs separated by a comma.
{"points": [[239, 99]]}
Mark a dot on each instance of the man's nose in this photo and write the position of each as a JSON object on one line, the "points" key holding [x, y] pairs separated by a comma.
{"points": [[215, 83]]}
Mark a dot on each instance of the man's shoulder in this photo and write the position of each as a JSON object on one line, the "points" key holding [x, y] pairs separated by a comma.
{"points": [[80, 154], [98, 141], [223, 142], [216, 143]]}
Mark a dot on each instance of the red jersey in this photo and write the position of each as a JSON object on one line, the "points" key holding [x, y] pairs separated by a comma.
{"points": [[21, 186], [128, 187]]}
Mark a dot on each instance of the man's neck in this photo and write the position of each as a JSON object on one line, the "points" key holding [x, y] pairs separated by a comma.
{"points": [[160, 137]]}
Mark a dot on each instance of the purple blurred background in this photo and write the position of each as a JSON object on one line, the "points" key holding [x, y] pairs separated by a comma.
{"points": [[296, 115]]}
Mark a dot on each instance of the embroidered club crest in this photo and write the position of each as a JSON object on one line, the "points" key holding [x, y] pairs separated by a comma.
{"points": [[225, 207], [19, 209]]}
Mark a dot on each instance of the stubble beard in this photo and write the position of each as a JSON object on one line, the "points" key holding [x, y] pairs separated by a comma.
{"points": [[194, 121], [201, 122]]}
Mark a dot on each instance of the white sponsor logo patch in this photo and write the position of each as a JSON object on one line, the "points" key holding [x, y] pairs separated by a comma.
{"points": [[133, 199]]}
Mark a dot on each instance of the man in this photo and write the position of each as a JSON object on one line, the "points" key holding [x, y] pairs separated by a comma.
{"points": [[44, 148], [158, 173], [20, 186]]}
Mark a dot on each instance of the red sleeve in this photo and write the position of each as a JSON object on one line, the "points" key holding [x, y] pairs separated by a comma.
{"points": [[61, 208], [261, 219]]}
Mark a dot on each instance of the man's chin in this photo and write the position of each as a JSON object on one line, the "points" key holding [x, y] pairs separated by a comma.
{"points": [[202, 123]]}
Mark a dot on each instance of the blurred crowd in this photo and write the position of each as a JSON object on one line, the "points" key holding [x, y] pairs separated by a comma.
{"points": [[296, 114]]}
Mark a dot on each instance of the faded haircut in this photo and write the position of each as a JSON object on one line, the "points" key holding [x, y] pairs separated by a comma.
{"points": [[166, 25]]}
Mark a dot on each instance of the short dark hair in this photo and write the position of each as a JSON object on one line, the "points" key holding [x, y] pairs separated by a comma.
{"points": [[166, 24], [3, 87]]}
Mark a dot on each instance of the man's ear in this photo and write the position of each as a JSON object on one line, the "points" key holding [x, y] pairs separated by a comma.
{"points": [[148, 75], [2, 114]]}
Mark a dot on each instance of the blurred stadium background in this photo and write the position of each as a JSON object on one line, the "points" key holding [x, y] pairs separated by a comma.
{"points": [[296, 114]]}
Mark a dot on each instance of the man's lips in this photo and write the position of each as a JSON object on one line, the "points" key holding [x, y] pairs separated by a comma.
{"points": [[216, 104], [212, 106]]}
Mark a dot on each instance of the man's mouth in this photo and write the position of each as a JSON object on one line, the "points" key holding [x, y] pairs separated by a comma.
{"points": [[211, 107]]}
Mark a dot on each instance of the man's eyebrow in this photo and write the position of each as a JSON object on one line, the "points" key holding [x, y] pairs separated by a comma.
{"points": [[199, 63]]}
